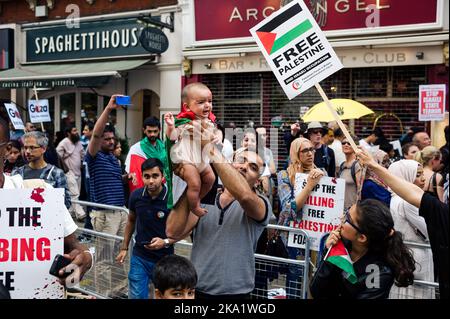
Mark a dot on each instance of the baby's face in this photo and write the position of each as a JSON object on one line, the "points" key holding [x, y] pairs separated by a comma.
{"points": [[200, 102]]}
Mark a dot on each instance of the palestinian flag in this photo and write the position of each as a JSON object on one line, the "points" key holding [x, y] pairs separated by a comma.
{"points": [[275, 34], [133, 162], [338, 256]]}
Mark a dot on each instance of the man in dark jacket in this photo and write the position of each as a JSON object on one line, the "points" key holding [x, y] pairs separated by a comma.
{"points": [[324, 155]]}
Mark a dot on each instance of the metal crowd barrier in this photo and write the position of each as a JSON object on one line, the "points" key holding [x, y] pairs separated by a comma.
{"points": [[108, 279]]}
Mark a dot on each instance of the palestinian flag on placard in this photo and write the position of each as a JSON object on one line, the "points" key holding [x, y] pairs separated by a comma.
{"points": [[274, 36], [339, 257]]}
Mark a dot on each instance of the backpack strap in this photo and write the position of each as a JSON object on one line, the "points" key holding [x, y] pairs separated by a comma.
{"points": [[434, 182], [50, 173], [353, 171], [341, 167]]}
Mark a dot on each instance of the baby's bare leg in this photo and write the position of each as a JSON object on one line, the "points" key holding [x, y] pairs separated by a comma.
{"points": [[207, 178], [192, 178]]}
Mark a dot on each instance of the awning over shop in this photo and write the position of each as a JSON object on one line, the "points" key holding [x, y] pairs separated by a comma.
{"points": [[69, 74]]}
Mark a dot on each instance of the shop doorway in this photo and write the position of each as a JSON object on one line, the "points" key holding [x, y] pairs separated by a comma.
{"points": [[145, 103]]}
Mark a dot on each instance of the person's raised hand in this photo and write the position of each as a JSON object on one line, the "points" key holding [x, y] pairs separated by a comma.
{"points": [[295, 128], [112, 105], [314, 177], [333, 238], [169, 119], [364, 158]]}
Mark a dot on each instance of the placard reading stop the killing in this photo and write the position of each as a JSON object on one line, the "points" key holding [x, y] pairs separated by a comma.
{"points": [[32, 234], [322, 211], [295, 48], [432, 102]]}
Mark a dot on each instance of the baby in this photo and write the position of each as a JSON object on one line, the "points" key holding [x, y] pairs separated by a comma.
{"points": [[186, 155]]}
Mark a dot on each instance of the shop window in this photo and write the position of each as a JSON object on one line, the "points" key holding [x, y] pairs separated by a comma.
{"points": [[370, 82], [50, 126], [67, 106], [406, 80], [88, 108]]}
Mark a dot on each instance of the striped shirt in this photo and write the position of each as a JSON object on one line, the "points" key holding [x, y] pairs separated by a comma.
{"points": [[105, 179]]}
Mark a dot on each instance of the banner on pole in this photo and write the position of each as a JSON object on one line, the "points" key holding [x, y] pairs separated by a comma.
{"points": [[32, 234], [39, 111], [295, 48], [322, 211], [432, 102], [14, 116]]}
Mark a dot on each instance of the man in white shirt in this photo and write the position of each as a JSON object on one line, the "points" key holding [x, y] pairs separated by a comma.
{"points": [[71, 152], [78, 253], [339, 155]]}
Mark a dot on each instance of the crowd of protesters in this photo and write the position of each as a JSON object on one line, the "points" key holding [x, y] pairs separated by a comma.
{"points": [[245, 197]]}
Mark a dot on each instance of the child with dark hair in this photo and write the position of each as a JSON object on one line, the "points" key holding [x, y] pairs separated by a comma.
{"points": [[174, 277], [377, 252], [13, 157]]}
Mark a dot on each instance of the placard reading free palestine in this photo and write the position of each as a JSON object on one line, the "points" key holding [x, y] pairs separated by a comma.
{"points": [[295, 48]]}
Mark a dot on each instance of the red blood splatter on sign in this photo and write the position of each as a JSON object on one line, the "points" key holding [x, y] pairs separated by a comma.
{"points": [[333, 180], [36, 195]]}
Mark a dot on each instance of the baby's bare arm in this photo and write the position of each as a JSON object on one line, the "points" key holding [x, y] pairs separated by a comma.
{"points": [[171, 131]]}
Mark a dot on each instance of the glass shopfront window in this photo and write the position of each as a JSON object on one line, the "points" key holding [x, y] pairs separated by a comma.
{"points": [[88, 108], [67, 110]]}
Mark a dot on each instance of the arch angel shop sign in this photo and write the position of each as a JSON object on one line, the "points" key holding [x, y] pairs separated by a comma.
{"points": [[233, 19]]}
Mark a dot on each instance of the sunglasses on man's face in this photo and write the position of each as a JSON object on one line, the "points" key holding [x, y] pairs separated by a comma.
{"points": [[345, 143], [316, 132]]}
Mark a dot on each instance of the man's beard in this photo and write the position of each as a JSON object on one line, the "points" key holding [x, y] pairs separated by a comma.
{"points": [[152, 139], [74, 138]]}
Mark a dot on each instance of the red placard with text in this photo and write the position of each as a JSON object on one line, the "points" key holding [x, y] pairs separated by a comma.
{"points": [[432, 102]]}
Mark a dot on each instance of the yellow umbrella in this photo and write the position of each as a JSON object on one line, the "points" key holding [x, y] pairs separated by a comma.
{"points": [[346, 109]]}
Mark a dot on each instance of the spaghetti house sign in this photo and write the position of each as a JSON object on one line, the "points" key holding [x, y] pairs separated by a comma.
{"points": [[233, 19], [101, 39]]}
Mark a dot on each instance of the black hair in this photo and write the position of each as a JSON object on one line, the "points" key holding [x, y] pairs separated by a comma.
{"points": [[338, 132], [15, 144], [386, 146], [150, 163], [173, 271], [447, 134], [90, 125], [151, 121], [68, 129], [375, 221], [4, 129], [109, 128], [378, 132]]}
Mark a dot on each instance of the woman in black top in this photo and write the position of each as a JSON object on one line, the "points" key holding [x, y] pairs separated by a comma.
{"points": [[431, 209], [377, 251]]}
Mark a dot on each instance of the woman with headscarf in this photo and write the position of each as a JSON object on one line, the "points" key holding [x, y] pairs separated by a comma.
{"points": [[373, 186], [302, 161], [413, 227]]}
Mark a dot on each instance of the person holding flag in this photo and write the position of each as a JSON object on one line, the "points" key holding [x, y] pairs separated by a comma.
{"points": [[366, 256]]}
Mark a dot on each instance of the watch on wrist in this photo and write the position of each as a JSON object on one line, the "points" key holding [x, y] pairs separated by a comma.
{"points": [[166, 243]]}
